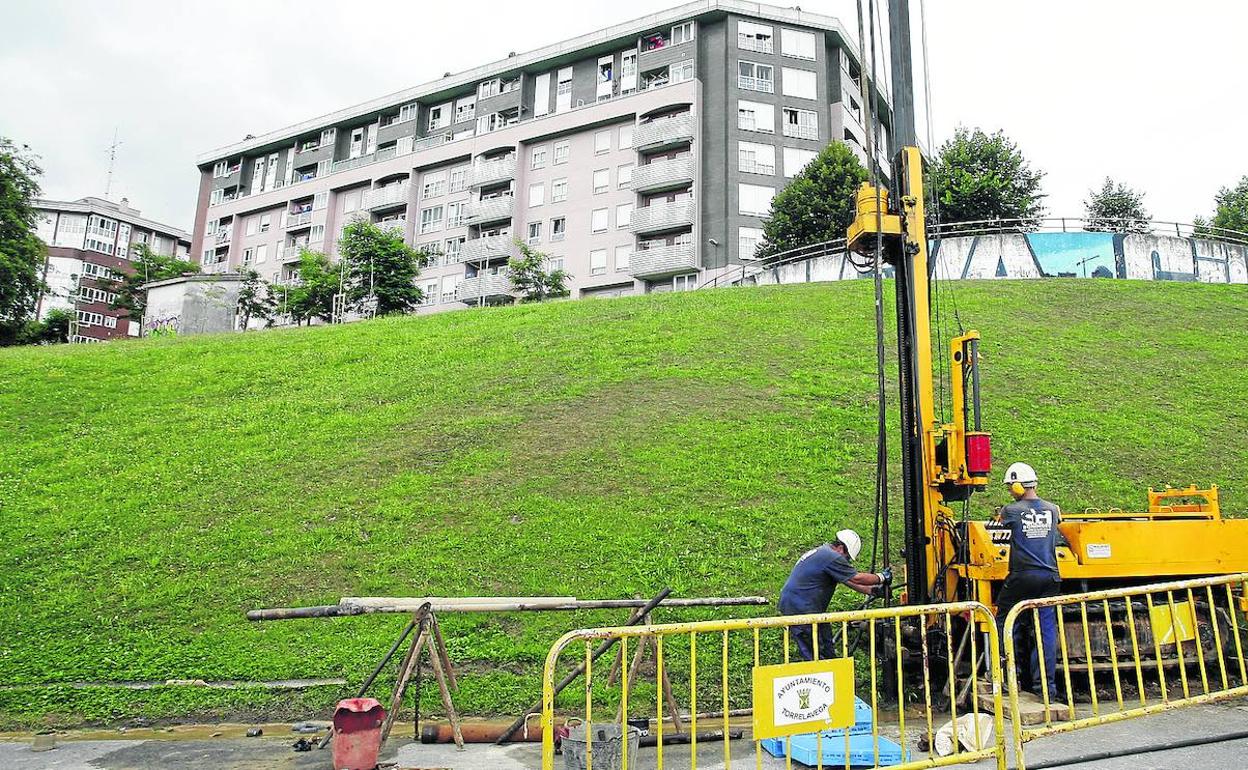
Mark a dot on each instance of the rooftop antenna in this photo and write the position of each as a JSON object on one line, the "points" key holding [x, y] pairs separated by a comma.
{"points": [[112, 164]]}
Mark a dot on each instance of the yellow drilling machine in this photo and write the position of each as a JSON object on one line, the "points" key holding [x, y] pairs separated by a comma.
{"points": [[948, 557]]}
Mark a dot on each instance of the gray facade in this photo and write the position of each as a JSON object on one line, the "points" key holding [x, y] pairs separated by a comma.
{"points": [[640, 158]]}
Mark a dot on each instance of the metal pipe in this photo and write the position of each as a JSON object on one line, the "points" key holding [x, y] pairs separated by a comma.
{"points": [[598, 653], [350, 606]]}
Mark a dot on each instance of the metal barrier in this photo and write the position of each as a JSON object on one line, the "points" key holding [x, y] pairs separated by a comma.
{"points": [[741, 651], [1153, 629]]}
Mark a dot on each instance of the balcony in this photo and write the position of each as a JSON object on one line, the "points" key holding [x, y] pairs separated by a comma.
{"points": [[664, 132], [490, 210], [293, 220], [397, 225], [658, 52], [664, 174], [223, 236], [663, 261], [752, 166], [390, 195], [658, 217], [291, 253], [489, 247], [762, 85], [801, 132], [493, 171], [755, 43], [484, 287]]}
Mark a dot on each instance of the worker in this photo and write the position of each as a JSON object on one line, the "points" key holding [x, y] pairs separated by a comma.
{"points": [[808, 591], [1032, 524]]}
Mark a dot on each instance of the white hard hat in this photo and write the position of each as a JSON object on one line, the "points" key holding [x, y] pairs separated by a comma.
{"points": [[1021, 473], [853, 543]]}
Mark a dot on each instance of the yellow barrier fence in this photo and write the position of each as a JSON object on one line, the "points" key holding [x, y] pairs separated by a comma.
{"points": [[1126, 652], [752, 675]]}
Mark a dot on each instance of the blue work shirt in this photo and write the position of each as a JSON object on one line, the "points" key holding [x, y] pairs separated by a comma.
{"points": [[1033, 534], [813, 579]]}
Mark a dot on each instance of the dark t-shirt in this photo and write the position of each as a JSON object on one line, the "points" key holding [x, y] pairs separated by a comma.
{"points": [[1033, 534], [813, 579]]}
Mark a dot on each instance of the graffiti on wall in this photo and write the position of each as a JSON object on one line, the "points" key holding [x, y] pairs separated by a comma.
{"points": [[164, 326], [1149, 257]]}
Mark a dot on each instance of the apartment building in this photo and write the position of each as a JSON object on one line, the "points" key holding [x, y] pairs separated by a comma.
{"points": [[90, 241], [640, 158]]}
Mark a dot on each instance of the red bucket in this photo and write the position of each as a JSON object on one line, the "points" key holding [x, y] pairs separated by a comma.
{"points": [[357, 733]]}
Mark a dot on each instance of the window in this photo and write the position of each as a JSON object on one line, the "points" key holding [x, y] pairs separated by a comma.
{"points": [[555, 263], [219, 169], [598, 221], [456, 213], [328, 136], [602, 142], [431, 219], [563, 91], [623, 215], [248, 254], [559, 191], [624, 176], [537, 194], [681, 71], [253, 225], [449, 283], [800, 45], [562, 151], [434, 184], [262, 252], [606, 77], [266, 222], [796, 159], [602, 181], [799, 83], [538, 157], [754, 116], [801, 124], [451, 249], [682, 33], [319, 201], [439, 117], [87, 318], [756, 158], [623, 254], [487, 89], [465, 109], [429, 292], [754, 200], [459, 179], [316, 234], [756, 77], [687, 282], [407, 112], [626, 136], [558, 228], [748, 239], [217, 197], [535, 233], [628, 72], [754, 37], [598, 262], [350, 201]]}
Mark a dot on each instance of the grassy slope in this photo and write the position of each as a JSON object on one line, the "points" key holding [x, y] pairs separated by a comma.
{"points": [[153, 491]]}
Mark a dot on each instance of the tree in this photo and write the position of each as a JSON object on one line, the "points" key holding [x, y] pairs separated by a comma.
{"points": [[312, 294], [145, 266], [21, 251], [52, 330], [381, 266], [817, 205], [255, 299], [978, 177], [1231, 213], [1116, 208], [531, 279]]}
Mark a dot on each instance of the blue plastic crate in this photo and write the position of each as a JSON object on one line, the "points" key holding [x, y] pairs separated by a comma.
{"points": [[805, 747]]}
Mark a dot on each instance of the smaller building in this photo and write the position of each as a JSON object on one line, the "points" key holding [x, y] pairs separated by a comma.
{"points": [[90, 242], [192, 304]]}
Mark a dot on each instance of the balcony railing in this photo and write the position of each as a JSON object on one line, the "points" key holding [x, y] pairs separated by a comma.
{"points": [[223, 236], [490, 210], [662, 216], [390, 195], [763, 85], [664, 132], [489, 247], [752, 166], [398, 225], [291, 253], [751, 43], [293, 219], [663, 261], [801, 132], [664, 174], [484, 287], [491, 171]]}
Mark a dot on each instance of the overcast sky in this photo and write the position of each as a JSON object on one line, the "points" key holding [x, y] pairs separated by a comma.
{"points": [[1150, 93]]}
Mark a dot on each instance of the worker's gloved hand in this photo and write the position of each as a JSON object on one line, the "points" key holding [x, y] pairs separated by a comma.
{"points": [[879, 592], [886, 576]]}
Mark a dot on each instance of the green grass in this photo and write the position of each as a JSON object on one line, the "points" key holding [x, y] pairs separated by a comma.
{"points": [[151, 492]]}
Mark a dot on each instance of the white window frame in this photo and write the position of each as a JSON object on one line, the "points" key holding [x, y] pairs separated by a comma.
{"points": [[600, 220], [622, 265], [602, 142], [537, 194], [748, 240], [465, 109], [538, 156], [559, 190], [746, 192], [623, 215], [562, 152], [558, 228], [806, 125], [598, 262], [752, 36], [433, 184], [431, 219], [799, 44], [756, 158], [749, 77], [457, 178], [624, 176], [799, 83], [793, 163], [602, 181], [684, 31], [535, 233], [755, 111], [626, 136]]}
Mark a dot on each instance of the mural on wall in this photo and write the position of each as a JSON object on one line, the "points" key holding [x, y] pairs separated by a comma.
{"points": [[1148, 257]]}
